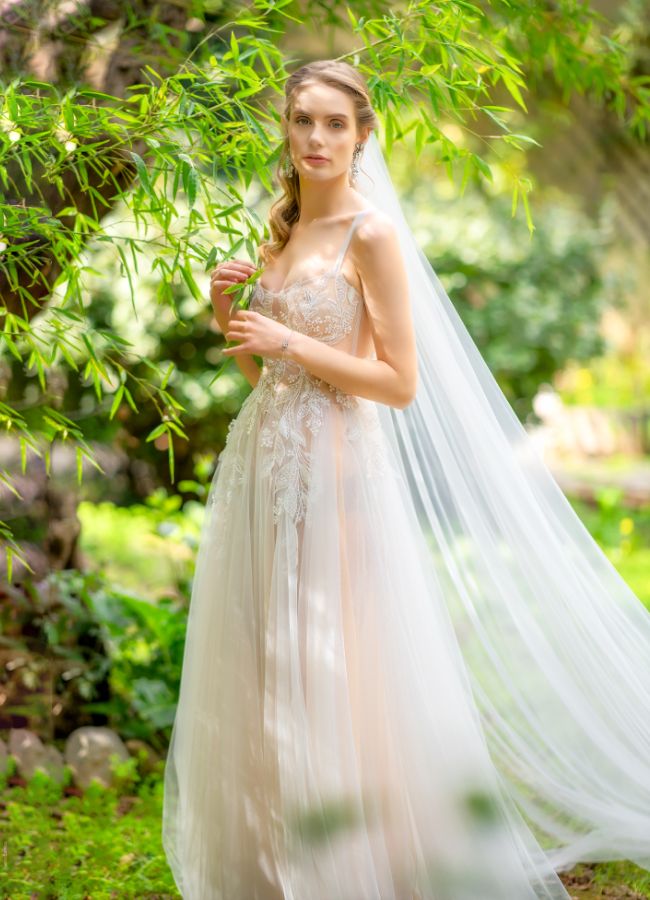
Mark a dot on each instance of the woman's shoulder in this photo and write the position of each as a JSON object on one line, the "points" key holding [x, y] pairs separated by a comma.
{"points": [[375, 247], [375, 232], [375, 223]]}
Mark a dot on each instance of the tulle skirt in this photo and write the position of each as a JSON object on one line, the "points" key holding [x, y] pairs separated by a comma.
{"points": [[327, 744]]}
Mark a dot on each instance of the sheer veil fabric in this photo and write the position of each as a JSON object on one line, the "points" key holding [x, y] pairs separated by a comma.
{"points": [[409, 672], [556, 643]]}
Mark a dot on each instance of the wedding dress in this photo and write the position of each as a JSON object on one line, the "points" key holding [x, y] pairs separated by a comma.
{"points": [[384, 694]]}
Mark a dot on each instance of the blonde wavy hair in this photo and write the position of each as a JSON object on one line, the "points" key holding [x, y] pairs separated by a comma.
{"points": [[286, 209]]}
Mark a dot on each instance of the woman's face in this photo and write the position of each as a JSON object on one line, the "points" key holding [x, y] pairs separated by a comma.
{"points": [[322, 123]]}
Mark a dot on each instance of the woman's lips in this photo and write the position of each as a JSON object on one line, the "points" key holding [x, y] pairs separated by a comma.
{"points": [[316, 159]]}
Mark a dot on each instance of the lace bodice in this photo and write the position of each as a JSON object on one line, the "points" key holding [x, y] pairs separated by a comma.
{"points": [[288, 404], [325, 308], [324, 305]]}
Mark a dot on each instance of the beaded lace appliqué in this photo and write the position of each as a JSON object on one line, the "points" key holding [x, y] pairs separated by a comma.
{"points": [[288, 403]]}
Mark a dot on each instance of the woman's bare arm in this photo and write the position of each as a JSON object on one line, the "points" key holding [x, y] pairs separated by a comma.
{"points": [[392, 377]]}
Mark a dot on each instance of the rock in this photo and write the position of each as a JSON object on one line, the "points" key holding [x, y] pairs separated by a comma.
{"points": [[88, 752], [53, 763], [31, 754]]}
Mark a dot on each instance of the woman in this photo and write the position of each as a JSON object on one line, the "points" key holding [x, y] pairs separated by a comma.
{"points": [[376, 698]]}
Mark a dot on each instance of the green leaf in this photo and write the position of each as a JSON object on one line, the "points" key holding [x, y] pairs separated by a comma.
{"points": [[518, 139], [143, 175], [192, 186], [156, 432], [234, 46], [211, 259], [221, 368], [129, 399], [117, 399], [169, 371], [79, 464], [529, 219], [6, 479], [511, 83], [170, 452], [515, 198], [188, 278]]}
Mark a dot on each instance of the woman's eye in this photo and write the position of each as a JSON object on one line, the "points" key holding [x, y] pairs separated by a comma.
{"points": [[301, 119]]}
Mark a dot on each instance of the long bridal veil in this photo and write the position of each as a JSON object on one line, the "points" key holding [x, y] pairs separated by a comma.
{"points": [[556, 644]]}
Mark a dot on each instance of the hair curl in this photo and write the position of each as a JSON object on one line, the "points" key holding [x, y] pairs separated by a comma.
{"points": [[286, 209]]}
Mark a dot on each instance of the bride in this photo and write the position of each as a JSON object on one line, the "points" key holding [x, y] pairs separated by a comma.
{"points": [[409, 671]]}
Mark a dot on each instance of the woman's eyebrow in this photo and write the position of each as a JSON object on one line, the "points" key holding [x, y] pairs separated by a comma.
{"points": [[304, 112]]}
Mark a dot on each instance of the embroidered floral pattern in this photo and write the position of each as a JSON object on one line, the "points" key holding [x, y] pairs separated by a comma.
{"points": [[329, 317], [288, 404]]}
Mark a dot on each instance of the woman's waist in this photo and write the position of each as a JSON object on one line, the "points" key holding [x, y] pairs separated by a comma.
{"points": [[285, 378]]}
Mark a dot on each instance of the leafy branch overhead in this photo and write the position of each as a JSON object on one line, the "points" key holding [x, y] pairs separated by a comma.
{"points": [[141, 126]]}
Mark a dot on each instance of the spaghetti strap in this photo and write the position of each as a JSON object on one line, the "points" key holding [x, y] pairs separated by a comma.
{"points": [[348, 238]]}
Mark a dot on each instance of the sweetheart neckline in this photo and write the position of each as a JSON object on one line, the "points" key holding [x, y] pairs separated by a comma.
{"points": [[307, 279]]}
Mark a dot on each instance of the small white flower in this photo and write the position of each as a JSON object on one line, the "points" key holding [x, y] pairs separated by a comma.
{"points": [[62, 132], [14, 136], [70, 146]]}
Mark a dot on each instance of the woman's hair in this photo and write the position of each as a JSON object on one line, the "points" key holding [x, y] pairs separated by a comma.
{"points": [[286, 209]]}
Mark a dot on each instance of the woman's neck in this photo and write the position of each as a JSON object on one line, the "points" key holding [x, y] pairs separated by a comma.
{"points": [[320, 203]]}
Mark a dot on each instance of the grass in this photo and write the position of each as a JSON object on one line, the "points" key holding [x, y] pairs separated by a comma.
{"points": [[98, 844], [624, 535], [105, 844], [614, 880]]}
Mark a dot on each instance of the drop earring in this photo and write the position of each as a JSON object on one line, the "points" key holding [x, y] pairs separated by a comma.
{"points": [[354, 169]]}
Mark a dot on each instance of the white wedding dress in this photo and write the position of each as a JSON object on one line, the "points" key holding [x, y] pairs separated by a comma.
{"points": [[327, 743]]}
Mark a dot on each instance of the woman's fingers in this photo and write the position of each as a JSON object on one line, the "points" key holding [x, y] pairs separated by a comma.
{"points": [[225, 276], [236, 327], [233, 268], [243, 265], [229, 273], [239, 324]]}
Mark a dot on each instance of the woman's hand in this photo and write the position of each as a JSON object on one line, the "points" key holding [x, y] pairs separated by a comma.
{"points": [[258, 334], [232, 271]]}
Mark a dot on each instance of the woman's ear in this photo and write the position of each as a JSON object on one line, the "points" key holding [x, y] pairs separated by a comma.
{"points": [[363, 134]]}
